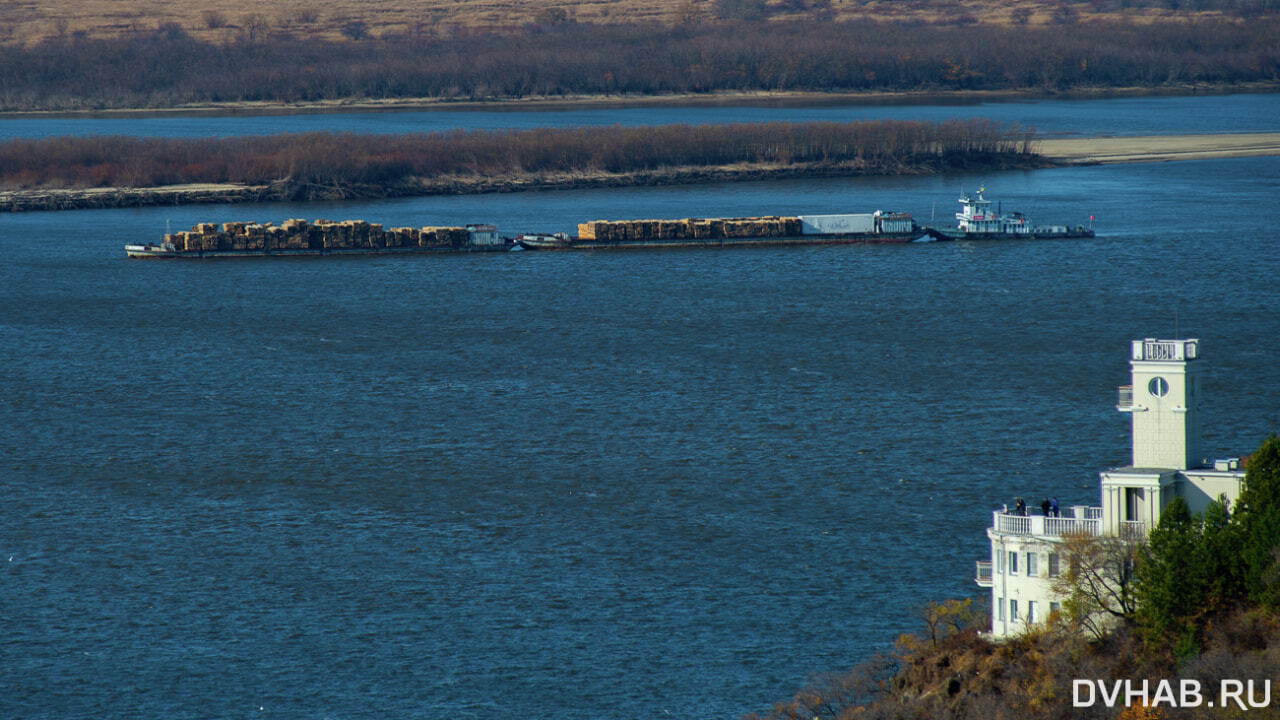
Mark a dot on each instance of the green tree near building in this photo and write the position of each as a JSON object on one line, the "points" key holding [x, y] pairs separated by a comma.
{"points": [[1194, 566], [1258, 514]]}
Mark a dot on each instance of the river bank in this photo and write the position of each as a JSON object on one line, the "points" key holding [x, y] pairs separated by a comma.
{"points": [[774, 98]]}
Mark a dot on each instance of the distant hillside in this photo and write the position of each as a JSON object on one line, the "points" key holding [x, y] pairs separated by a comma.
{"points": [[168, 68], [225, 20]]}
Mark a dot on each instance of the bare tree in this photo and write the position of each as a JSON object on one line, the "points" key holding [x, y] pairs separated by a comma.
{"points": [[1097, 587], [253, 25]]}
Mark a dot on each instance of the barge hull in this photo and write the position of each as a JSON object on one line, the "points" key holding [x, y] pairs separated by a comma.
{"points": [[151, 252], [834, 239]]}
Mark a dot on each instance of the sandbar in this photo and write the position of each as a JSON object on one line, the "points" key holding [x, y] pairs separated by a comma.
{"points": [[1157, 148]]}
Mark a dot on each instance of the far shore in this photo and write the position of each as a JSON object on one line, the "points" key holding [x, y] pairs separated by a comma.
{"points": [[714, 99], [1055, 151]]}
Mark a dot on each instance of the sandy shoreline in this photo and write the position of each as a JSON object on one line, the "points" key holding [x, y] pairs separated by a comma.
{"points": [[1158, 148], [1055, 151]]}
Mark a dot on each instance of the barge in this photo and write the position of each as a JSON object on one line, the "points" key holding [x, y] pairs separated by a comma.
{"points": [[356, 237], [323, 237], [878, 227]]}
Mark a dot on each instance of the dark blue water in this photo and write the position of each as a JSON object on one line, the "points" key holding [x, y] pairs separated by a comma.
{"points": [[554, 485], [1122, 116]]}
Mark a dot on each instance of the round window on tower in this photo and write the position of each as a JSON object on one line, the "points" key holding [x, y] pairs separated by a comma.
{"points": [[1158, 387]]}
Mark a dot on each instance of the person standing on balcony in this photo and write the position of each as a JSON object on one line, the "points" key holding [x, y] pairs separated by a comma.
{"points": [[1053, 506], [1044, 507], [1020, 508]]}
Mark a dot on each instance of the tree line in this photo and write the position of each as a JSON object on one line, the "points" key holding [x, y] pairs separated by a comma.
{"points": [[167, 67], [325, 161]]}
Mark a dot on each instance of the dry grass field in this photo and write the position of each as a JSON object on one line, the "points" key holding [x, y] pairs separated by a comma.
{"points": [[27, 21]]}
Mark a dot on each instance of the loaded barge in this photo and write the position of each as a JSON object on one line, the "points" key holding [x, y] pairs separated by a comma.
{"points": [[323, 237], [356, 237], [878, 227]]}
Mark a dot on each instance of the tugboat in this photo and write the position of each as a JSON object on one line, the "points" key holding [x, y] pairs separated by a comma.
{"points": [[543, 241], [165, 249], [976, 221]]}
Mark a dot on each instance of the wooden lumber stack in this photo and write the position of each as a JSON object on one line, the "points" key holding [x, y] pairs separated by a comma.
{"points": [[298, 234], [689, 229]]}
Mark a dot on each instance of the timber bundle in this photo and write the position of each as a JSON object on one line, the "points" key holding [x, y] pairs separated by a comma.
{"points": [[298, 234], [689, 228]]}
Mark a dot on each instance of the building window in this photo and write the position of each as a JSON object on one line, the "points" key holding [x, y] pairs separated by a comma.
{"points": [[1031, 611], [1000, 610], [1013, 611], [999, 562], [1013, 563], [1031, 564], [1053, 564], [1055, 607]]}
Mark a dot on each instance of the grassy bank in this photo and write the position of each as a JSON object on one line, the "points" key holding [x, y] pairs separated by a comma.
{"points": [[73, 171]]}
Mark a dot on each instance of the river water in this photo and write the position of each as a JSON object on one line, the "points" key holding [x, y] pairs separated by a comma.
{"points": [[1119, 116], [556, 485]]}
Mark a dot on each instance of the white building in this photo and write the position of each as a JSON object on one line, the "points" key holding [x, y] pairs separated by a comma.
{"points": [[1164, 403]]}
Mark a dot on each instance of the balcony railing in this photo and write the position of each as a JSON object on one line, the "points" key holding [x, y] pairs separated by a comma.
{"points": [[982, 574], [1048, 526], [1133, 530]]}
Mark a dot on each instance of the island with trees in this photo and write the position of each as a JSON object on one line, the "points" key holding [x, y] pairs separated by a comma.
{"points": [[83, 172]]}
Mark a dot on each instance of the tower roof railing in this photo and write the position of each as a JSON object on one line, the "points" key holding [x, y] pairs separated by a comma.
{"points": [[1155, 350]]}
